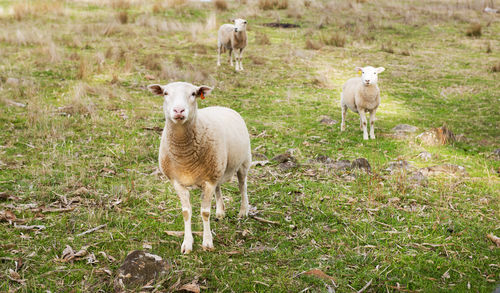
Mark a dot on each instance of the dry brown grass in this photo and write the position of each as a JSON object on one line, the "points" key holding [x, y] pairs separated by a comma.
{"points": [[488, 48], [176, 3], [335, 39], [262, 39], [158, 7], [122, 16], [313, 45], [387, 47], [120, 4], [221, 5], [273, 4], [496, 67], [84, 68], [37, 8], [474, 30], [295, 11]]}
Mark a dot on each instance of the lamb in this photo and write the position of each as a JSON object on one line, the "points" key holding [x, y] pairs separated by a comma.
{"points": [[361, 95], [201, 148], [232, 37]]}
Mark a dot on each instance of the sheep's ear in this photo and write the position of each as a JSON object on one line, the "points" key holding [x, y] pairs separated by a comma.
{"points": [[156, 89], [380, 69], [203, 91], [359, 69]]}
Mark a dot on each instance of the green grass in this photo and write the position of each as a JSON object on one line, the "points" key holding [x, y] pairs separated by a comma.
{"points": [[381, 228]]}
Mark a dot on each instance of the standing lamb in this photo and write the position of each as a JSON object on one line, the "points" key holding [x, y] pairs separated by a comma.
{"points": [[201, 148], [232, 37], [361, 95]]}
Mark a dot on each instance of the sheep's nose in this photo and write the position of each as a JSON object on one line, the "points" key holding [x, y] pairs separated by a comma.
{"points": [[236, 30], [179, 110], [367, 81]]}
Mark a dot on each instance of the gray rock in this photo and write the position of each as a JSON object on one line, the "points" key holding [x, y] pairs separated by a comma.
{"points": [[446, 169], [340, 165], [418, 178], [405, 128], [259, 157], [361, 163], [138, 269], [400, 165], [496, 153], [327, 120], [425, 156]]}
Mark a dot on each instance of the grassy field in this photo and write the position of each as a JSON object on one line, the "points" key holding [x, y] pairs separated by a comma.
{"points": [[78, 145]]}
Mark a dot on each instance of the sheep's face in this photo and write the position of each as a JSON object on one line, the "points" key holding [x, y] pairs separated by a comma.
{"points": [[240, 25], [369, 75], [180, 99]]}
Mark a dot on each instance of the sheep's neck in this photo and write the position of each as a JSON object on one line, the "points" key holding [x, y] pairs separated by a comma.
{"points": [[370, 91], [240, 36], [182, 141]]}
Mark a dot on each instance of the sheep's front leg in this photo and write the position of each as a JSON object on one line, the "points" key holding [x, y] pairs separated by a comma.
{"points": [[242, 182], [219, 201], [344, 113], [208, 191], [239, 58], [231, 57], [218, 54], [362, 118], [183, 193], [372, 124]]}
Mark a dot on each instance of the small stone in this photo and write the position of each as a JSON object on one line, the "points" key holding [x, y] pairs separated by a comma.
{"points": [[327, 120], [361, 163], [425, 156], [437, 136], [405, 128], [138, 269], [341, 165], [400, 165], [418, 178]]}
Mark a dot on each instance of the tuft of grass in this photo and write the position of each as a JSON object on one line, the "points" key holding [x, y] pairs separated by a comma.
{"points": [[272, 4], [496, 67], [313, 44], [21, 11], [488, 48], [262, 39], [387, 47], [474, 30], [336, 39], [120, 4], [122, 16], [221, 5], [84, 68]]}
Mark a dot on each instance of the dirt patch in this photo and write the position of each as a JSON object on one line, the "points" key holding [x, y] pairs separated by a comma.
{"points": [[281, 25]]}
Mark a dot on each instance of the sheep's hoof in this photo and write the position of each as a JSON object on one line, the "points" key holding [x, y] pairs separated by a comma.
{"points": [[372, 136], [342, 128], [242, 214], [220, 215], [208, 246], [186, 249]]}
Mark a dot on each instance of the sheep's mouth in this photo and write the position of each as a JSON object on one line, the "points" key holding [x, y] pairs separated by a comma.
{"points": [[179, 118]]}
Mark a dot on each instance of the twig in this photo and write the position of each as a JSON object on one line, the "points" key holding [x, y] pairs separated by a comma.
{"points": [[92, 230], [264, 220], [366, 286]]}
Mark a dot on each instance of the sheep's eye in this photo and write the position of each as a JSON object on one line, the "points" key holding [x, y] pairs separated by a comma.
{"points": [[193, 94], [245, 22]]}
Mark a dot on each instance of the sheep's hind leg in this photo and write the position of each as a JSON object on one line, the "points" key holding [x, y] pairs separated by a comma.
{"points": [[362, 119], [206, 200], [242, 182], [220, 212], [231, 57], [183, 193], [239, 58], [344, 113], [372, 124], [218, 54]]}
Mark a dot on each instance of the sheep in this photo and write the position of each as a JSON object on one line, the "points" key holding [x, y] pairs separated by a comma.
{"points": [[201, 148], [232, 37], [361, 95]]}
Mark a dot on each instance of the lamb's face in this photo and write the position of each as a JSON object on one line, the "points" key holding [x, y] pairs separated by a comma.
{"points": [[240, 25], [369, 75], [179, 103]]}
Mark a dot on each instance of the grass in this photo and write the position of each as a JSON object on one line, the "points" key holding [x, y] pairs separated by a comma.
{"points": [[84, 137]]}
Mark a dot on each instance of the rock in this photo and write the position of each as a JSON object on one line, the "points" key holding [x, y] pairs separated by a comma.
{"points": [[259, 157], [437, 136], [447, 169], [340, 165], [405, 128], [321, 159], [327, 120], [418, 178], [400, 165], [496, 153], [285, 166], [425, 156], [286, 161], [138, 269], [361, 163], [12, 81]]}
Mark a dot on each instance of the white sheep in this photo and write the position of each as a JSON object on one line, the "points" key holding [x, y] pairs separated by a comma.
{"points": [[201, 148], [232, 37], [361, 95]]}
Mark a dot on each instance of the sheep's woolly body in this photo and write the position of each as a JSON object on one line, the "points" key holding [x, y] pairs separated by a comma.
{"points": [[231, 39], [211, 148], [355, 95]]}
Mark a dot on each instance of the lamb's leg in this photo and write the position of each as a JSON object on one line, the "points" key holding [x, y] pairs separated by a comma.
{"points": [[344, 113], [218, 54], [206, 200], [362, 118], [231, 57], [241, 57], [372, 124], [219, 201], [183, 193], [242, 182]]}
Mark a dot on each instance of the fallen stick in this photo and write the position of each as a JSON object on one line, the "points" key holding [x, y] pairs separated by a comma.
{"points": [[366, 286], [92, 230], [57, 210], [264, 220], [181, 233]]}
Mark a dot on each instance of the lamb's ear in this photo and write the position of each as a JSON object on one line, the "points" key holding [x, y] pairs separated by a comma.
{"points": [[203, 91], [359, 69], [156, 89], [380, 69]]}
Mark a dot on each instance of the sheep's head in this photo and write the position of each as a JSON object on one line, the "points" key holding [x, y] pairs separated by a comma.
{"points": [[240, 25], [369, 75], [180, 99]]}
